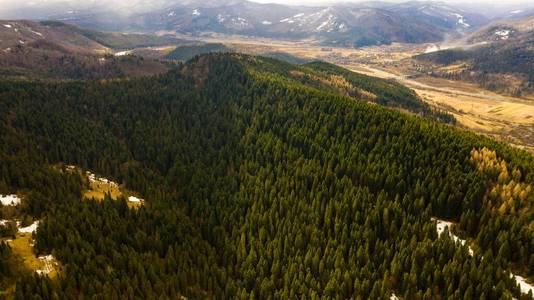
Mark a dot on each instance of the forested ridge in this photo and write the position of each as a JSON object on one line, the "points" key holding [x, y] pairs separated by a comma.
{"points": [[188, 52], [259, 184]]}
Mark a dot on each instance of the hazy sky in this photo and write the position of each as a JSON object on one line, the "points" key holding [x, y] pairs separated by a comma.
{"points": [[494, 4], [490, 2]]}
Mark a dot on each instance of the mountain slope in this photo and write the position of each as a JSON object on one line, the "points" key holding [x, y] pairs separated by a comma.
{"points": [[57, 50], [441, 14], [337, 80], [504, 30], [500, 56], [258, 186]]}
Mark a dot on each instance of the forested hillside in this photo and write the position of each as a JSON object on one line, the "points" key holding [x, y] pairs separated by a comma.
{"points": [[187, 52], [260, 183], [381, 91], [328, 77]]}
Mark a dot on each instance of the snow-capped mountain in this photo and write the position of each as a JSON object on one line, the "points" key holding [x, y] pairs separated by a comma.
{"points": [[440, 14], [343, 24]]}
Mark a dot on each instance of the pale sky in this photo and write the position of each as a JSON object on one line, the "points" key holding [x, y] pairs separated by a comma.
{"points": [[297, 2], [488, 2], [492, 4]]}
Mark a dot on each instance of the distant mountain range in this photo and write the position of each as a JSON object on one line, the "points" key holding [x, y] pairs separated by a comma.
{"points": [[360, 24], [57, 50]]}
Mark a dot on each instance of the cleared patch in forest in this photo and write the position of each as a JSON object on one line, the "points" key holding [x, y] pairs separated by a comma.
{"points": [[22, 246], [99, 187]]}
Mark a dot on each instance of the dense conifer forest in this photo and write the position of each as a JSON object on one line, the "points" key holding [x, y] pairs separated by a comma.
{"points": [[188, 52], [260, 183]]}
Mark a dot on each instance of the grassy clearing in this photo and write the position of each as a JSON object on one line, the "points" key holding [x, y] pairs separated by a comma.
{"points": [[22, 247], [98, 189]]}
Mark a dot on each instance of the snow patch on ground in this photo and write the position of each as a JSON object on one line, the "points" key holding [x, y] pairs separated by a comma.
{"points": [[196, 12], [36, 32], [440, 228], [461, 20], [49, 262], [29, 229], [93, 178], [292, 20], [171, 14], [327, 25], [10, 200], [319, 21], [525, 287], [4, 222], [122, 53], [239, 22], [503, 34], [514, 12], [7, 26], [267, 23], [134, 199]]}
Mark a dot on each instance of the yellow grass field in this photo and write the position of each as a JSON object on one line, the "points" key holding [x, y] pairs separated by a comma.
{"points": [[98, 190], [502, 117], [22, 246]]}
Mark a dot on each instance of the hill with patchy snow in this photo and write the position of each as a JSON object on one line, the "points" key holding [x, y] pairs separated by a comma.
{"points": [[340, 24]]}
